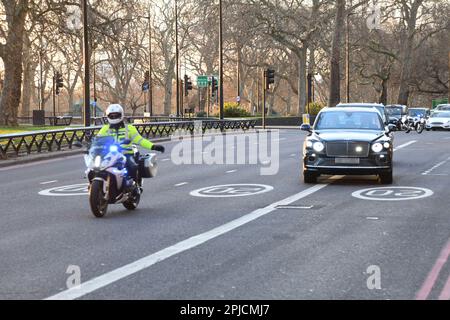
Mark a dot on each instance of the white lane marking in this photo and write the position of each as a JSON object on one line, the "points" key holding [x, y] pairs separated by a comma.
{"points": [[293, 155], [405, 145], [440, 164], [163, 160], [148, 261], [373, 218], [48, 182], [181, 184], [231, 171]]}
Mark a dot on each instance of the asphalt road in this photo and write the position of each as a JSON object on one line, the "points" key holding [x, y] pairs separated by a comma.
{"points": [[294, 241]]}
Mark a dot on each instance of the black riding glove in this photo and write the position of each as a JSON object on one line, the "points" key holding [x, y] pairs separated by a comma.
{"points": [[159, 148]]}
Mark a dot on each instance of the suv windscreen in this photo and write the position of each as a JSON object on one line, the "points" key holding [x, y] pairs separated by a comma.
{"points": [[349, 120]]}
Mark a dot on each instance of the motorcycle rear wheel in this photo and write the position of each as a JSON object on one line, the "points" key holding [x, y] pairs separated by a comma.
{"points": [[97, 201]]}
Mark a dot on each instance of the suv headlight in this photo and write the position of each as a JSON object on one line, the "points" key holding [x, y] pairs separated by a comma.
{"points": [[318, 146], [377, 147]]}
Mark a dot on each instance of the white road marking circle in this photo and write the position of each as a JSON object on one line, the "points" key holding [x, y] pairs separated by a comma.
{"points": [[66, 191], [231, 190], [393, 193]]}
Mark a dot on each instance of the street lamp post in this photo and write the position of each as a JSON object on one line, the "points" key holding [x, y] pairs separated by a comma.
{"points": [[87, 99], [150, 67], [177, 53], [221, 98], [41, 81]]}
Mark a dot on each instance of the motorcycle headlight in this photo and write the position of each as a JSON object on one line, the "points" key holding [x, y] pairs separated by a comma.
{"points": [[386, 145], [97, 161], [113, 148], [377, 147], [318, 146], [309, 144]]}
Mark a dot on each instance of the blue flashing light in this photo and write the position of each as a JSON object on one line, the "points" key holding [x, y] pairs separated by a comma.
{"points": [[113, 148]]}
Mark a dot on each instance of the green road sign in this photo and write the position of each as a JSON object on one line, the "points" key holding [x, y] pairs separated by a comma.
{"points": [[202, 81]]}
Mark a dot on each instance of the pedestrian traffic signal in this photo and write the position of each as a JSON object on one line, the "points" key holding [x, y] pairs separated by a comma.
{"points": [[187, 85], [59, 83], [269, 75], [146, 84]]}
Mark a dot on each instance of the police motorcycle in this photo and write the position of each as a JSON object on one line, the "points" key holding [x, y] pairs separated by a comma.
{"points": [[416, 123], [109, 182]]}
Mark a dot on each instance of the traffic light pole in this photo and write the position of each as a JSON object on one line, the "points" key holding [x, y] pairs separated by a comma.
{"points": [[264, 101], [208, 100], [54, 98]]}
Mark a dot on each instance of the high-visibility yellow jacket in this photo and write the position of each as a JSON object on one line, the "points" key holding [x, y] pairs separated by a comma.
{"points": [[125, 131]]}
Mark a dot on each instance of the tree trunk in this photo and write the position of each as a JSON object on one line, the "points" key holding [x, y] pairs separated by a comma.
{"points": [[403, 94], [28, 87], [11, 53], [302, 81], [168, 95], [384, 92], [335, 77]]}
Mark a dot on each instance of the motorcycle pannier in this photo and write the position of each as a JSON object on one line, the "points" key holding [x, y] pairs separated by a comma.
{"points": [[147, 166]]}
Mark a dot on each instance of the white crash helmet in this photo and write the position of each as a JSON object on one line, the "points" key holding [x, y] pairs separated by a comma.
{"points": [[115, 114]]}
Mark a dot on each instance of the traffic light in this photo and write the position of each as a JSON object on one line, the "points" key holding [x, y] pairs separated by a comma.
{"points": [[146, 84], [59, 83], [187, 85], [269, 74], [214, 84]]}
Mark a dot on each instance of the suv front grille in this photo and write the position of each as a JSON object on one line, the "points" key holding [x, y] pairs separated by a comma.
{"points": [[347, 149]]}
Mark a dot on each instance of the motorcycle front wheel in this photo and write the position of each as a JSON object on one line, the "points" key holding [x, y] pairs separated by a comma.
{"points": [[420, 127], [97, 201]]}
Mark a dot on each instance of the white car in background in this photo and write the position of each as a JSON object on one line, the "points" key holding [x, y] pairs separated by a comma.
{"points": [[442, 107], [438, 120]]}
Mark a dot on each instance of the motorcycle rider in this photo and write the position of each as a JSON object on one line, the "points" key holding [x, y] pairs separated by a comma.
{"points": [[120, 130]]}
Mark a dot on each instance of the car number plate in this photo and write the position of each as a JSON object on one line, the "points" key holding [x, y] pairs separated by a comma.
{"points": [[347, 160]]}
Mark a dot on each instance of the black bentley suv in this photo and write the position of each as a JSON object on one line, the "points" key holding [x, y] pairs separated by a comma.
{"points": [[348, 141]]}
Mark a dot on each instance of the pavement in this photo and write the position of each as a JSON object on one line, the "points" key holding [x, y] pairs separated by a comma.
{"points": [[293, 241]]}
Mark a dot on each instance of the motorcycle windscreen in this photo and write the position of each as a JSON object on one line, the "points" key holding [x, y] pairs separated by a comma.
{"points": [[100, 146]]}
